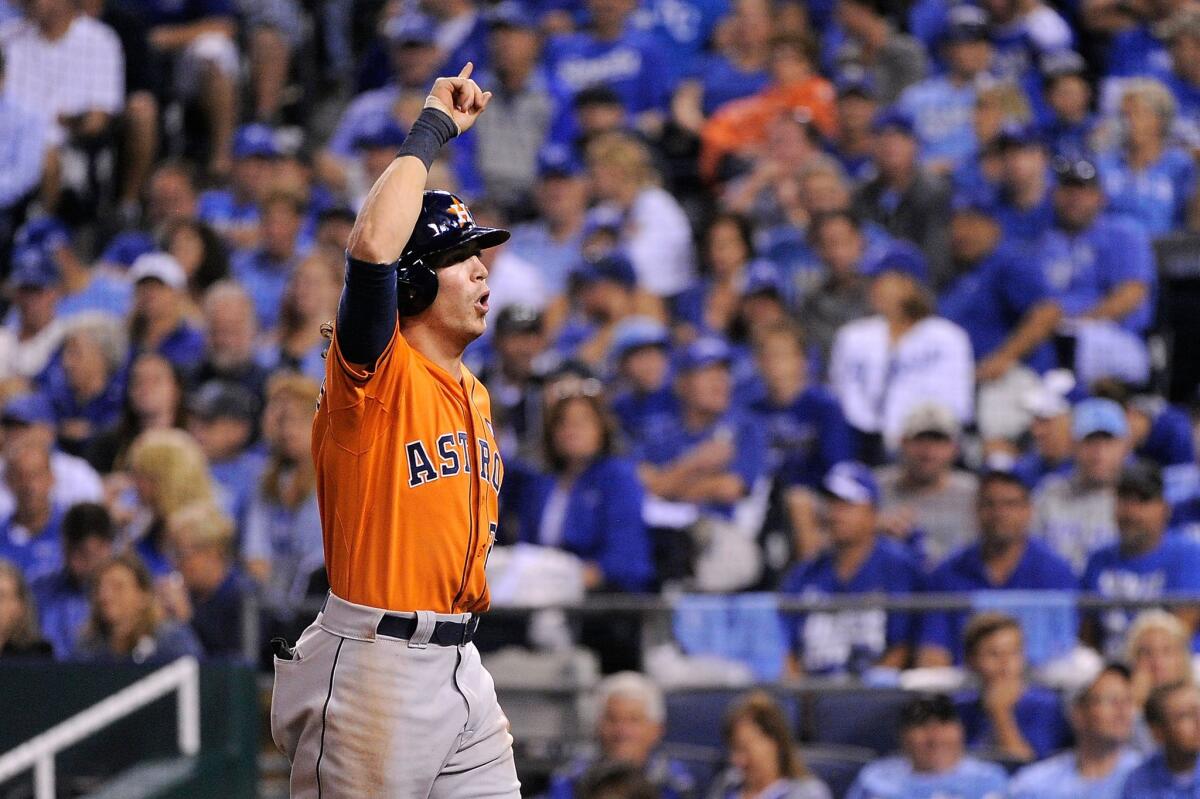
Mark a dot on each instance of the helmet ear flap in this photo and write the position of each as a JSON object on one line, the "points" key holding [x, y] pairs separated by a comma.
{"points": [[416, 287]]}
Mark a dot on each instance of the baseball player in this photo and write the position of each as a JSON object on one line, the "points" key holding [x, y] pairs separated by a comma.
{"points": [[384, 694]]}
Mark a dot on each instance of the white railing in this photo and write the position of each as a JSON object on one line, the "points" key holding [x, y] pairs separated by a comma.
{"points": [[38, 753]]}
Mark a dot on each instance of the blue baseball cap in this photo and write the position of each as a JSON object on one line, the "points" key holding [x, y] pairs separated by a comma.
{"points": [[410, 29], [557, 161], [511, 14], [1018, 134], [974, 202], [1097, 416], [893, 119], [380, 130], [127, 247], [612, 266], [855, 81], [48, 232], [255, 141], [763, 277], [704, 352], [636, 332], [33, 267], [900, 256], [852, 482], [32, 408]]}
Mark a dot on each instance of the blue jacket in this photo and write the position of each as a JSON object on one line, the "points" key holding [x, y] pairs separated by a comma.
{"points": [[603, 520]]}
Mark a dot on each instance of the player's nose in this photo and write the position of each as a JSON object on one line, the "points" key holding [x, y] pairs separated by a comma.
{"points": [[479, 269]]}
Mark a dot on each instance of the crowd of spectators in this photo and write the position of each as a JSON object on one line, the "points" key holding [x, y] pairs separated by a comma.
{"points": [[816, 297]]}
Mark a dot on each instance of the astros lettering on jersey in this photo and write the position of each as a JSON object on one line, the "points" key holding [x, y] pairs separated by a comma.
{"points": [[406, 432]]}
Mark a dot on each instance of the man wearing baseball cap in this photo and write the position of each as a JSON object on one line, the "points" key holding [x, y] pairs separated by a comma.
{"points": [[933, 761], [1049, 426], [640, 357], [924, 495], [1075, 513], [1146, 561], [222, 417], [161, 324], [710, 456], [1100, 708], [234, 211], [859, 559], [35, 286], [1101, 268], [1025, 212]]}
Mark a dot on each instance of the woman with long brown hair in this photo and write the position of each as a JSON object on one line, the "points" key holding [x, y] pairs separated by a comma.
{"points": [[19, 635], [763, 755], [282, 543], [127, 623], [309, 300], [153, 400]]}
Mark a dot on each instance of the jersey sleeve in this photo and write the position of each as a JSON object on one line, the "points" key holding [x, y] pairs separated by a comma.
{"points": [[357, 400]]}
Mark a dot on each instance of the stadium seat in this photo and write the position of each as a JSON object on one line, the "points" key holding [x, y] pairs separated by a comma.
{"points": [[837, 766], [866, 717], [694, 716]]}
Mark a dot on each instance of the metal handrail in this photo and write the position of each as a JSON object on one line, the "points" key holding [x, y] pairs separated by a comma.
{"points": [[38, 753]]}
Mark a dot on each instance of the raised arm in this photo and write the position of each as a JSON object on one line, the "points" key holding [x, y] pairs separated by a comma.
{"points": [[366, 316]]}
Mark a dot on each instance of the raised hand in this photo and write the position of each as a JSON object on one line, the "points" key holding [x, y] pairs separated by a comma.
{"points": [[460, 98]]}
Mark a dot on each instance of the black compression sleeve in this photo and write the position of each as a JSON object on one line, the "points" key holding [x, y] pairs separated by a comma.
{"points": [[366, 315]]}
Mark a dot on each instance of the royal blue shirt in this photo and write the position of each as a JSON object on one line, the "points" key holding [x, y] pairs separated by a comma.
{"points": [[102, 410], [682, 28], [1040, 568], [990, 301], [224, 213], [183, 347], [634, 409], [666, 438], [1157, 196], [1082, 269], [807, 437], [723, 81], [1153, 780], [217, 618], [850, 640], [35, 552], [1068, 139], [631, 65], [1137, 51], [1025, 226], [63, 608], [1039, 717], [1169, 443], [602, 522], [1171, 567], [1031, 467]]}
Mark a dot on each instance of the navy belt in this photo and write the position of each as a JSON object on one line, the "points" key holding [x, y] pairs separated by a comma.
{"points": [[445, 633]]}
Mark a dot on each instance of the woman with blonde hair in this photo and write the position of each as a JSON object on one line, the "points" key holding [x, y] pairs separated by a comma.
{"points": [[655, 233], [170, 471], [764, 756], [1146, 176], [127, 623], [19, 635], [1158, 652], [282, 545]]}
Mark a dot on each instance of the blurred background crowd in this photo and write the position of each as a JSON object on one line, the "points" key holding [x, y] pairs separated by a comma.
{"points": [[804, 299]]}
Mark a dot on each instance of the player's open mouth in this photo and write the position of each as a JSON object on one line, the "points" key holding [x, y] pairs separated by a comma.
{"points": [[482, 302]]}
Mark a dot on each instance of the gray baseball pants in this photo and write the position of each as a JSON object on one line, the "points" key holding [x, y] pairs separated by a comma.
{"points": [[361, 715]]}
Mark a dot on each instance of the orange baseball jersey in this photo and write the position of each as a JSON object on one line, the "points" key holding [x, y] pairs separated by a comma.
{"points": [[408, 479]]}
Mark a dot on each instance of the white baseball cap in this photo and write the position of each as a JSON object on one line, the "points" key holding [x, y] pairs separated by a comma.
{"points": [[158, 266]]}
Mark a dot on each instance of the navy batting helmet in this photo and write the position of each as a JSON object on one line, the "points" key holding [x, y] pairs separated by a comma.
{"points": [[445, 234]]}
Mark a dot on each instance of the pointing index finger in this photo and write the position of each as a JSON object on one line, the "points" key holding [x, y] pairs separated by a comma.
{"points": [[467, 69]]}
